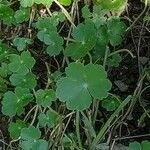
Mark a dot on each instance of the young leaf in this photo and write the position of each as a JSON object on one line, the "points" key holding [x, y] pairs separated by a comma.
{"points": [[110, 103], [49, 119], [115, 60], [83, 83], [14, 102], [30, 139], [6, 14], [15, 128], [65, 2], [26, 81], [21, 64], [21, 43], [22, 15], [99, 16], [45, 97]]}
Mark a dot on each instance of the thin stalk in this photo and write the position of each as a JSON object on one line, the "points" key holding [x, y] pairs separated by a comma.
{"points": [[108, 123], [105, 57], [65, 12], [78, 130], [120, 51]]}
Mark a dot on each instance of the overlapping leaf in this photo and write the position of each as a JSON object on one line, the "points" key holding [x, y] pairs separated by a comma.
{"points": [[48, 34], [26, 81], [15, 128], [112, 33], [83, 84], [21, 43], [49, 119], [45, 97], [22, 15], [5, 50], [30, 139], [21, 64], [13, 102], [29, 3], [84, 42]]}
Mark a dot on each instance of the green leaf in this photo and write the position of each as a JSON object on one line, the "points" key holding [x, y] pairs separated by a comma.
{"points": [[135, 146], [103, 37], [45, 97], [86, 12], [21, 43], [15, 129], [48, 34], [5, 51], [26, 3], [110, 103], [21, 64], [99, 16], [46, 24], [81, 34], [49, 119], [6, 14], [4, 70], [83, 84], [117, 6], [55, 43], [116, 30], [76, 50], [3, 86], [21, 15], [26, 81], [139, 146], [65, 2], [30, 133], [30, 139], [44, 2], [145, 145], [16, 101], [83, 42], [115, 60]]}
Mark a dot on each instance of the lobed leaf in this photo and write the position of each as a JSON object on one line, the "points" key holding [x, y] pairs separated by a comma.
{"points": [[83, 84]]}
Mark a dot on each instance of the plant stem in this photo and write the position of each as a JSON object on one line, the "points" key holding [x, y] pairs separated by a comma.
{"points": [[108, 123], [105, 57], [120, 51], [78, 130]]}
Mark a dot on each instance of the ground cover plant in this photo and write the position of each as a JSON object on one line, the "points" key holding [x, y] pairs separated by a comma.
{"points": [[74, 75]]}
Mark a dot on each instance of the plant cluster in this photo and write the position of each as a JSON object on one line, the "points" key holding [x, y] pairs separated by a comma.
{"points": [[77, 84]]}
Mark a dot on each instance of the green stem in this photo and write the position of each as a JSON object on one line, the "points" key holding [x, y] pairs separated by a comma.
{"points": [[78, 130], [90, 58], [105, 57], [108, 123]]}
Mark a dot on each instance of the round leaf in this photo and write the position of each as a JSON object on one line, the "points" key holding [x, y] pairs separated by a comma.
{"points": [[83, 83]]}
